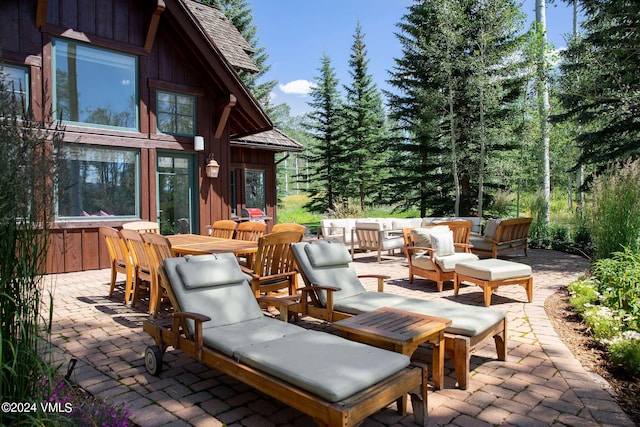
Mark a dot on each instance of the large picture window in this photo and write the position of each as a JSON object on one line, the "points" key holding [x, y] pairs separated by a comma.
{"points": [[95, 181], [15, 82], [176, 113], [95, 86]]}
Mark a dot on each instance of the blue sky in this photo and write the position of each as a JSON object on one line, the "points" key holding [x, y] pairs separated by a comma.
{"points": [[296, 33]]}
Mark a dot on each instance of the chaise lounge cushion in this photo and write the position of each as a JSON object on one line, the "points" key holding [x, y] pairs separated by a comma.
{"points": [[300, 359], [367, 301], [227, 303], [329, 275], [228, 338], [328, 254]]}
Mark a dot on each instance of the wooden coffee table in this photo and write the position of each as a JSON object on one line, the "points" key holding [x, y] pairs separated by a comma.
{"points": [[400, 331]]}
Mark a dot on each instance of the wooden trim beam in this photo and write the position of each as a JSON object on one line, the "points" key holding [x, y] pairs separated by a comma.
{"points": [[41, 13], [153, 25], [224, 117]]}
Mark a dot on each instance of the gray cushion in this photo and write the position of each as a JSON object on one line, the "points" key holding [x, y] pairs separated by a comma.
{"points": [[225, 304], [227, 339], [197, 275], [449, 262], [493, 269], [323, 364], [367, 301], [327, 253], [442, 242], [340, 276], [481, 244], [466, 320], [491, 227]]}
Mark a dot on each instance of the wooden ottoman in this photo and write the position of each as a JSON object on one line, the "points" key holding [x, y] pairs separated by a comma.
{"points": [[491, 273]]}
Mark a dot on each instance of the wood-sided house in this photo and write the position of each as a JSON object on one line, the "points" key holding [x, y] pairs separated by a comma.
{"points": [[147, 91]]}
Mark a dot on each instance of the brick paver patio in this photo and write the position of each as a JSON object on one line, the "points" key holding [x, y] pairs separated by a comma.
{"points": [[540, 384]]}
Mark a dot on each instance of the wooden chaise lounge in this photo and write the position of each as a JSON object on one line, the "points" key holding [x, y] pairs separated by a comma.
{"points": [[333, 292], [335, 381]]}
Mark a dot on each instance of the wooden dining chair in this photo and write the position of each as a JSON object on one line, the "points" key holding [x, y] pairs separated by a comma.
{"points": [[142, 265], [142, 226], [250, 230], [159, 248], [119, 258], [273, 264], [223, 229], [289, 226]]}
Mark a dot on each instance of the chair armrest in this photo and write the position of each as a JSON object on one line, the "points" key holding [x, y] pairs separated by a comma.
{"points": [[179, 318], [190, 315], [381, 278]]}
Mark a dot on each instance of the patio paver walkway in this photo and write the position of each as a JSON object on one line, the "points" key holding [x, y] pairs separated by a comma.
{"points": [[541, 383]]}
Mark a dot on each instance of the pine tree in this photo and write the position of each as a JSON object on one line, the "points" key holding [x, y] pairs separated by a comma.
{"points": [[326, 180], [365, 128], [600, 81], [456, 81]]}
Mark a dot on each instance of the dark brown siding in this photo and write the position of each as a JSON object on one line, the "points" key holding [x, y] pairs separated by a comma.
{"points": [[175, 62]]}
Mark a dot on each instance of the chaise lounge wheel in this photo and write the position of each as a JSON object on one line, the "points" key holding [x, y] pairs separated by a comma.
{"points": [[153, 359]]}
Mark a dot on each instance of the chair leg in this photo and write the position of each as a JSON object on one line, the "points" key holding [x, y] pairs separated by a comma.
{"points": [[114, 275], [461, 358]]}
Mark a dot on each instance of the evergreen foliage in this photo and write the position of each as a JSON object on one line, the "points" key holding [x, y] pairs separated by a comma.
{"points": [[365, 134], [601, 89], [327, 180], [458, 83]]}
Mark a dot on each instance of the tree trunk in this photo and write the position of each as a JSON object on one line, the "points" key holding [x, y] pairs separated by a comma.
{"points": [[544, 108]]}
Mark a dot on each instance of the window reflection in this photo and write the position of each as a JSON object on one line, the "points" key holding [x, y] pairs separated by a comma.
{"points": [[96, 181], [255, 189], [95, 86]]}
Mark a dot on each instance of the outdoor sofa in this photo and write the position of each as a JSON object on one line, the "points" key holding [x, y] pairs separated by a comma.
{"points": [[333, 292], [502, 236], [218, 321]]}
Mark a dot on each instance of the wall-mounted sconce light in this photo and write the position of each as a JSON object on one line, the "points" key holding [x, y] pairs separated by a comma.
{"points": [[198, 143], [212, 168]]}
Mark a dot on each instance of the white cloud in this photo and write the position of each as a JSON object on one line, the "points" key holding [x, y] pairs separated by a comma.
{"points": [[297, 87]]}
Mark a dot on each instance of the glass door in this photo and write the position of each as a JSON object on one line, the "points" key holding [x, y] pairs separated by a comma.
{"points": [[176, 193]]}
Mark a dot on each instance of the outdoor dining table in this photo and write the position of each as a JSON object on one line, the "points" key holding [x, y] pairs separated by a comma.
{"points": [[195, 244]]}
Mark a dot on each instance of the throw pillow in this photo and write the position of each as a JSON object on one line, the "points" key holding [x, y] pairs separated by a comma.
{"points": [[443, 243]]}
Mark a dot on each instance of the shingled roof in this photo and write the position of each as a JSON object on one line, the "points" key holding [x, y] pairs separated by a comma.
{"points": [[224, 35], [268, 140]]}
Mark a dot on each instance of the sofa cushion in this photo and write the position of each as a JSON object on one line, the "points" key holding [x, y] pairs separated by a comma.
{"points": [[491, 227], [422, 236], [228, 338], [442, 242], [448, 263], [323, 364], [483, 245], [327, 253], [400, 223]]}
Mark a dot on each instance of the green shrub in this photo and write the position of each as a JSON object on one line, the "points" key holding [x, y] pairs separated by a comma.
{"points": [[619, 279], [626, 352], [604, 323], [584, 293], [614, 216]]}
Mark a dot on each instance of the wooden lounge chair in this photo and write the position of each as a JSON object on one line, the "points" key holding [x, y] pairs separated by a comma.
{"points": [[334, 292], [218, 321], [502, 236], [425, 260]]}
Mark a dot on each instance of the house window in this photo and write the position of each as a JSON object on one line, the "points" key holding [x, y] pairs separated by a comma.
{"points": [[97, 182], [15, 83], [176, 113], [255, 189], [95, 86]]}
